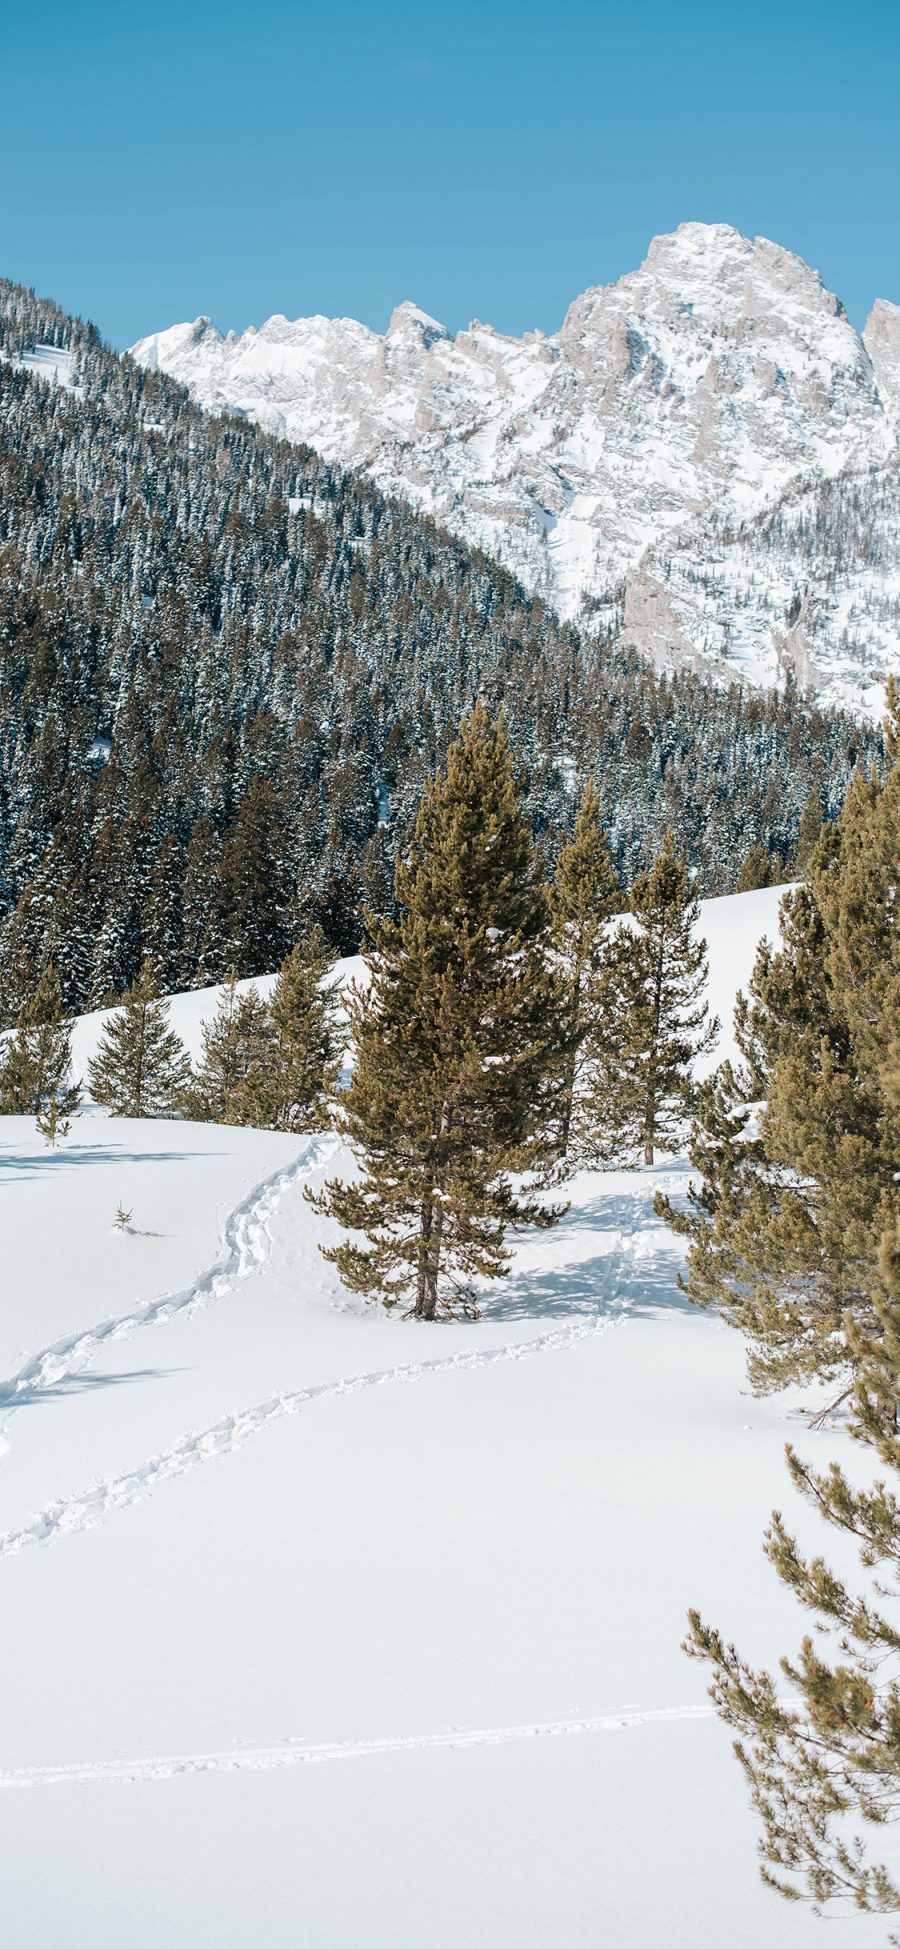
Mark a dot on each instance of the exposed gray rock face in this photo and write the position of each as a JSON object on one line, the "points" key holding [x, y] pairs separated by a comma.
{"points": [[657, 433], [882, 342]]}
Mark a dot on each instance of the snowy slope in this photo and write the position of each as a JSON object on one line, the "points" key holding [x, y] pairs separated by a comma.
{"points": [[54, 363], [706, 385], [324, 1628]]}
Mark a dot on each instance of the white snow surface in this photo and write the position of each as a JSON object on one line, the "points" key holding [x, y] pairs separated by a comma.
{"points": [[250, 1530], [707, 387], [54, 363]]}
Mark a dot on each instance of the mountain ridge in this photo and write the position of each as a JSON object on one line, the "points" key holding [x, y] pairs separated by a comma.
{"points": [[702, 388]]}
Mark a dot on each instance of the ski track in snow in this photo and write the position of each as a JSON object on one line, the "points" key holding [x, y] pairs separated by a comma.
{"points": [[296, 1753], [243, 1249]]}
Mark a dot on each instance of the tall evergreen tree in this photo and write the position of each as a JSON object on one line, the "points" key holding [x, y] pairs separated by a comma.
{"points": [[230, 1080], [253, 882], [36, 1058], [786, 1223], [643, 1092], [796, 1233], [203, 956], [459, 1044], [292, 1089], [756, 869], [161, 922], [809, 831], [140, 1069], [585, 893]]}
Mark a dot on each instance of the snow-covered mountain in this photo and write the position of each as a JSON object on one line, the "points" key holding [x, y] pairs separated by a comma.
{"points": [[628, 467]]}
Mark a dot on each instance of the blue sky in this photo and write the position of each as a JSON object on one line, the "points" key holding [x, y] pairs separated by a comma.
{"points": [[487, 160]]}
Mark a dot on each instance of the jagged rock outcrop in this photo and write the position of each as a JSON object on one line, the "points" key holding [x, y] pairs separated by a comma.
{"points": [[672, 413]]}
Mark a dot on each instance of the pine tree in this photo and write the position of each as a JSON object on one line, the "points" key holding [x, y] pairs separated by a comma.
{"points": [[644, 1091], [809, 831], [140, 1069], [36, 1059], [161, 922], [203, 956], [51, 1125], [459, 1044], [797, 1234], [253, 882], [291, 1090], [784, 1228], [585, 893], [756, 869], [231, 1078]]}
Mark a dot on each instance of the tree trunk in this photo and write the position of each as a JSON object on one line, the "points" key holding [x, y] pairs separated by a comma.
{"points": [[426, 1282], [569, 1073], [429, 1261], [648, 1153], [431, 1222]]}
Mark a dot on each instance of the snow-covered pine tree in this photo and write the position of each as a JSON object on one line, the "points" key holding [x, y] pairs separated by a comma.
{"points": [[141, 1068], [459, 1044], [203, 957], [292, 1089], [161, 923], [585, 893], [229, 1081], [642, 1092], [36, 1059], [796, 1234], [254, 894]]}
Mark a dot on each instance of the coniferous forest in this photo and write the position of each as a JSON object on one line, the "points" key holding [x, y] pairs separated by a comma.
{"points": [[227, 669]]}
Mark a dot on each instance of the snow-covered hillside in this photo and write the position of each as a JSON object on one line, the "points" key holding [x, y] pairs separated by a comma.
{"points": [[698, 392], [323, 1628]]}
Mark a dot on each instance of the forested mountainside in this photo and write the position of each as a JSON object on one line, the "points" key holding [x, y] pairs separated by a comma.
{"points": [[226, 668]]}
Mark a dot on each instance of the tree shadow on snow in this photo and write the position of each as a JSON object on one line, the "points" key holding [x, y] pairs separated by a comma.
{"points": [[35, 1163], [619, 1279], [25, 1397]]}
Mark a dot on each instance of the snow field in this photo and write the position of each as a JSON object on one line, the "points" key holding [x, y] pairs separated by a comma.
{"points": [[251, 1530]]}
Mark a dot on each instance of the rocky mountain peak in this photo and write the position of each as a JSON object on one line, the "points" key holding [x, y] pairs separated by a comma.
{"points": [[703, 387]]}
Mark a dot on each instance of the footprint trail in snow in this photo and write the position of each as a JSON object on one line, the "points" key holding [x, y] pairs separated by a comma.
{"points": [[243, 1249], [296, 1753]]}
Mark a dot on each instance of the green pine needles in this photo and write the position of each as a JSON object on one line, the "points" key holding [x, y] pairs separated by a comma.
{"points": [[794, 1234], [461, 1048], [140, 1069], [652, 1020], [584, 895], [276, 1064], [36, 1060]]}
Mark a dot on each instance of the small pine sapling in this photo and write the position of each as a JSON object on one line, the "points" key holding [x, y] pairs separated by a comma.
{"points": [[51, 1123], [141, 1068], [35, 1062]]}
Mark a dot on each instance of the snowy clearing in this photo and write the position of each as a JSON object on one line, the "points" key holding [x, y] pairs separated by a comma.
{"points": [[250, 1529]]}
